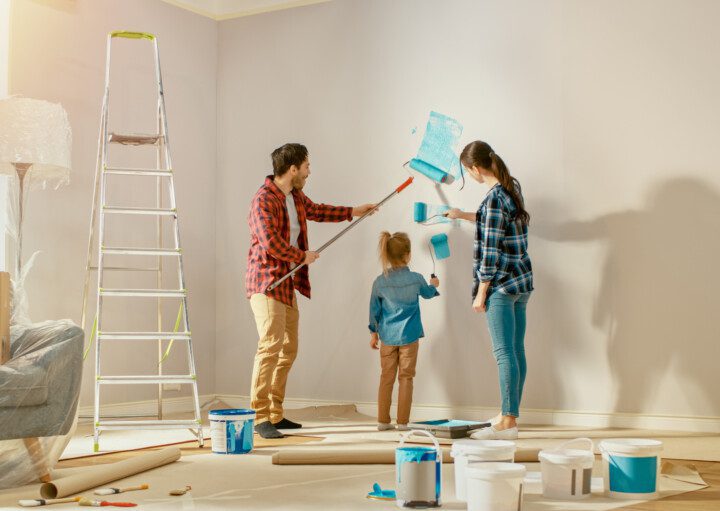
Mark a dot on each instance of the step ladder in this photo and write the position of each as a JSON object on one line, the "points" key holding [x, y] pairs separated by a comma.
{"points": [[164, 180]]}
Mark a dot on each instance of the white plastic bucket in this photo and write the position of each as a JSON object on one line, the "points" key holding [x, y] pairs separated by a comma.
{"points": [[477, 451], [567, 473], [631, 467], [418, 473], [494, 486], [231, 431]]}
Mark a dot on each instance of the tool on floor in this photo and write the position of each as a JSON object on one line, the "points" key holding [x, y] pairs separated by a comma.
{"points": [[378, 493], [180, 491], [102, 503], [164, 208], [46, 502], [397, 190], [113, 491]]}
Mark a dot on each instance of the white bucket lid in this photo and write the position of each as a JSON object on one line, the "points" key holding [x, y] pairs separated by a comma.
{"points": [[468, 446], [495, 470], [576, 457], [635, 446]]}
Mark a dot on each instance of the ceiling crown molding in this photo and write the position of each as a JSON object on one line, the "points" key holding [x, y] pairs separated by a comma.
{"points": [[220, 10]]}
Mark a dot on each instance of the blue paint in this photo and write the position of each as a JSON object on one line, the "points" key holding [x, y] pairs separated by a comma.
{"points": [[633, 475], [420, 212], [379, 493], [231, 431], [449, 423], [439, 143], [441, 246]]}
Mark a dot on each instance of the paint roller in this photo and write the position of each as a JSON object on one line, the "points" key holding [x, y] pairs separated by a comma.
{"points": [[434, 173], [421, 209], [292, 272], [439, 245]]}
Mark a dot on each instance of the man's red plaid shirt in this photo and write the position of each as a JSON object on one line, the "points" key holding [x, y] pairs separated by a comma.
{"points": [[270, 251]]}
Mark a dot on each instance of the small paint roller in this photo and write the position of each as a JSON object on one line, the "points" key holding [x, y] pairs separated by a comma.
{"points": [[397, 190], [434, 173], [420, 213], [46, 502], [113, 491], [439, 245]]}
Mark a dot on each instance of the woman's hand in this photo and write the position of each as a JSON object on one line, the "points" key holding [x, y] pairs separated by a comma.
{"points": [[453, 214], [481, 297], [374, 341]]}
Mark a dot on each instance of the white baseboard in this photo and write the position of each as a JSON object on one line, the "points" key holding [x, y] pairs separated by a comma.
{"points": [[429, 412]]}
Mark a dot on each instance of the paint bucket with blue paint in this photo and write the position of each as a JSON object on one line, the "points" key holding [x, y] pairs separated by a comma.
{"points": [[566, 472], [418, 473], [231, 431], [631, 467]]}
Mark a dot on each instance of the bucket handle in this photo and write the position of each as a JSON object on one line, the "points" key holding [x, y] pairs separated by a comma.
{"points": [[589, 443], [438, 456]]}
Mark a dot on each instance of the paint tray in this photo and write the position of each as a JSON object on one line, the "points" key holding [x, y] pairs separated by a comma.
{"points": [[449, 428]]}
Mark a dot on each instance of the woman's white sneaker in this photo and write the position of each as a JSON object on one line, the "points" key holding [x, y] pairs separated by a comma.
{"points": [[493, 434]]}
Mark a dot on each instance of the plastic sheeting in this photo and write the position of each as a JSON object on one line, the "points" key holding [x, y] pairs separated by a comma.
{"points": [[40, 384], [39, 392]]}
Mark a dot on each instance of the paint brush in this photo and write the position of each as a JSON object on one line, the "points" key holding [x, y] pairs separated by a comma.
{"points": [[100, 503], [46, 502], [113, 491]]}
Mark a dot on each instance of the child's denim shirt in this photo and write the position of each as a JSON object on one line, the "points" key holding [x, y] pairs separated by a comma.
{"points": [[395, 308]]}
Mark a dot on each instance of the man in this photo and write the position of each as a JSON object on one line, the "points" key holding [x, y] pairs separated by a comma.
{"points": [[278, 242]]}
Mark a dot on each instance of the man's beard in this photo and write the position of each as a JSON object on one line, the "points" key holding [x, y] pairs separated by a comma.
{"points": [[298, 183]]}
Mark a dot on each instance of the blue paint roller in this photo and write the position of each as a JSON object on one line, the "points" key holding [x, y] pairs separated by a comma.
{"points": [[439, 245], [434, 173], [423, 213]]}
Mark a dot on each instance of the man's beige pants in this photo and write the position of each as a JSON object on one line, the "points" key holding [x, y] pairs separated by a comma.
{"points": [[277, 326], [400, 361]]}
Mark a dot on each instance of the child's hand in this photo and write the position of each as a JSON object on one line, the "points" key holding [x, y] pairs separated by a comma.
{"points": [[435, 282], [374, 341]]}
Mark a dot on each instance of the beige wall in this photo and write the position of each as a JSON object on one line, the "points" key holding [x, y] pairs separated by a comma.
{"points": [[607, 112], [58, 54]]}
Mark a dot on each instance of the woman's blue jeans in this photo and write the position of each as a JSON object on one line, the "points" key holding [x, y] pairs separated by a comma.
{"points": [[506, 322]]}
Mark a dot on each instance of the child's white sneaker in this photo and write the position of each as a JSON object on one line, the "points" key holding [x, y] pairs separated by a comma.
{"points": [[403, 427], [385, 427], [493, 434]]}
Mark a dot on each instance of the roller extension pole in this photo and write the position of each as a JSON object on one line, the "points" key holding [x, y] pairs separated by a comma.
{"points": [[341, 233]]}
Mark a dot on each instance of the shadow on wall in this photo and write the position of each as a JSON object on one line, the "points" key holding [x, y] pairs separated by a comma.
{"points": [[658, 294]]}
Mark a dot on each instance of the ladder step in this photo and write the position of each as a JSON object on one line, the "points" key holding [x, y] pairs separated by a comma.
{"points": [[123, 268], [160, 424], [140, 336], [135, 139], [140, 211], [142, 251], [138, 172], [150, 293], [152, 378]]}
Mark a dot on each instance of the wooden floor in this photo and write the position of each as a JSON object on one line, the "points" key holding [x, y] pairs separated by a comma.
{"points": [[707, 499]]}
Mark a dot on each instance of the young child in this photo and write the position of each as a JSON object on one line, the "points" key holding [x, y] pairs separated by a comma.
{"points": [[395, 322]]}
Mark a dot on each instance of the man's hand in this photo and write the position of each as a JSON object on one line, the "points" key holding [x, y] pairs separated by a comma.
{"points": [[364, 208], [434, 281], [479, 303], [310, 257], [374, 341]]}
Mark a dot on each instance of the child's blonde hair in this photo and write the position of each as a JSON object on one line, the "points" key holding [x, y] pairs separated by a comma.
{"points": [[394, 250]]}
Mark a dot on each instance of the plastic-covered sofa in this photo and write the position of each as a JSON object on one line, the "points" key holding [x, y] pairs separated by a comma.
{"points": [[39, 392]]}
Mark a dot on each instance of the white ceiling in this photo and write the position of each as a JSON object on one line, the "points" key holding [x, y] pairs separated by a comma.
{"points": [[227, 9]]}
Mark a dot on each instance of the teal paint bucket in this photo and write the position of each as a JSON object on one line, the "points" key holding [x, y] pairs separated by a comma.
{"points": [[418, 475], [231, 430], [631, 467]]}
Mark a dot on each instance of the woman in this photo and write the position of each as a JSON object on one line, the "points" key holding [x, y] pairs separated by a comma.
{"points": [[502, 276]]}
